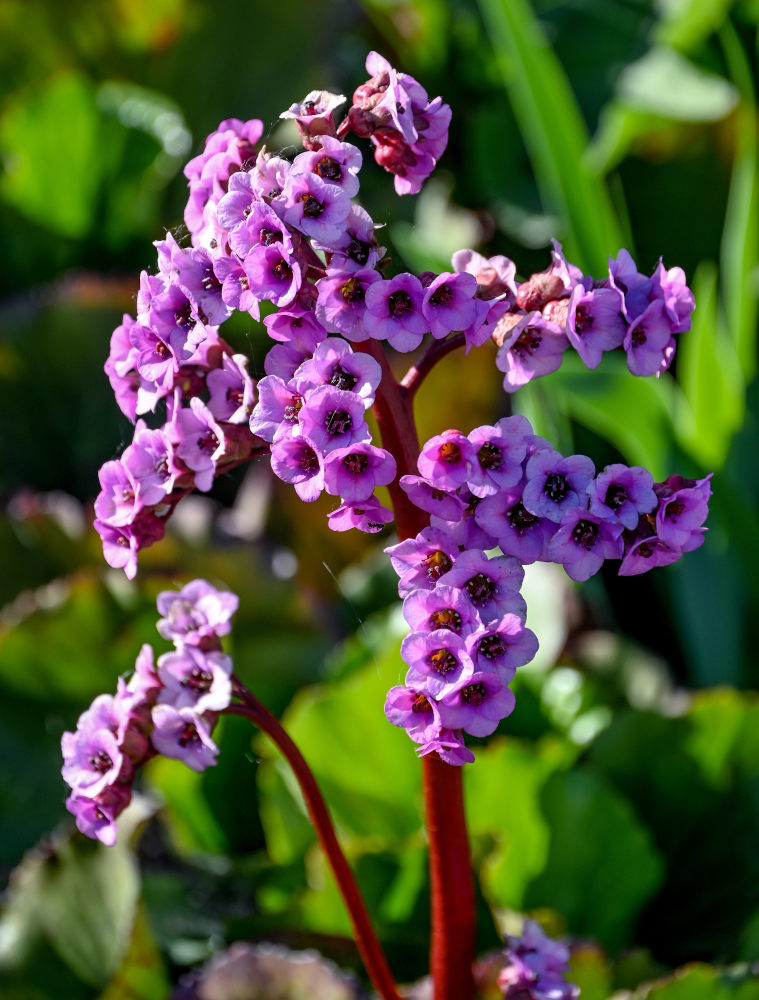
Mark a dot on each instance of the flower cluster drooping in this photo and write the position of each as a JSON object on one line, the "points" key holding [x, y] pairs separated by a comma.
{"points": [[536, 967], [169, 706], [289, 233], [504, 488]]}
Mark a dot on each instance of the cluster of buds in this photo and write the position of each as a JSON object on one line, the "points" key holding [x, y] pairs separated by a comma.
{"points": [[536, 967], [504, 488], [561, 308], [169, 706]]}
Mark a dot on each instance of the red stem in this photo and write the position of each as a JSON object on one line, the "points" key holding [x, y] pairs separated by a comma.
{"points": [[437, 350], [368, 945], [452, 946]]}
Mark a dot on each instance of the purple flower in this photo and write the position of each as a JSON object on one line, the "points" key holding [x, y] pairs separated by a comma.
{"points": [[492, 584], [449, 745], [646, 553], [341, 305], [422, 561], [448, 303], [595, 322], [503, 646], [92, 759], [494, 275], [428, 496], [352, 473], [335, 363], [414, 711], [333, 418], [182, 735], [441, 608], [198, 440], [273, 273], [195, 614], [436, 660], [583, 541], [394, 312], [232, 393], [366, 515], [499, 453], [532, 348], [357, 244], [278, 404], [95, 817], [648, 341], [121, 544], [315, 116], [622, 493], [536, 967], [554, 483], [477, 704], [313, 206], [683, 507], [195, 678], [297, 461], [447, 460], [335, 162]]}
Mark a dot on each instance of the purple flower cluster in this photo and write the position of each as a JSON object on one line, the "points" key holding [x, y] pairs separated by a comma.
{"points": [[536, 967], [503, 487], [168, 706], [562, 307]]}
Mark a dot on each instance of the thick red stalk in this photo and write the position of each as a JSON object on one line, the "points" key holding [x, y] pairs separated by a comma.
{"points": [[368, 945], [452, 887]]}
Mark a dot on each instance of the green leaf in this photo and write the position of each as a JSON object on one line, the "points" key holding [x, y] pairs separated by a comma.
{"points": [[633, 414], [338, 725], [78, 897], [710, 377], [554, 133], [49, 145], [142, 973], [601, 866], [685, 24], [703, 982]]}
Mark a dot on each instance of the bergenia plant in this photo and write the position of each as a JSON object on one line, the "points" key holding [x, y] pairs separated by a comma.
{"points": [[471, 506]]}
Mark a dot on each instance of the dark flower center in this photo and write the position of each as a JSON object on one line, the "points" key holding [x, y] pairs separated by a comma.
{"points": [[474, 694], [616, 496], [420, 705], [338, 422], [293, 409], [520, 518], [198, 680], [443, 661], [480, 588], [442, 296], [491, 647], [585, 534], [436, 564], [583, 319], [328, 169], [450, 453], [312, 207], [282, 270], [341, 379], [359, 251], [356, 464], [308, 460], [210, 282], [490, 456], [446, 618], [269, 236], [527, 343], [101, 762], [556, 487], [183, 316], [189, 734], [208, 443], [399, 304], [353, 290]]}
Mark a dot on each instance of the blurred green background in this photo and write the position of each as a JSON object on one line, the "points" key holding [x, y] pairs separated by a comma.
{"points": [[620, 801]]}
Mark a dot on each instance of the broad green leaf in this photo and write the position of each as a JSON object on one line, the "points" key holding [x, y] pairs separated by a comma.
{"points": [[703, 982], [510, 822], [553, 131], [591, 970], [344, 725], [52, 160], [78, 897], [601, 865], [142, 972], [710, 377], [192, 823]]}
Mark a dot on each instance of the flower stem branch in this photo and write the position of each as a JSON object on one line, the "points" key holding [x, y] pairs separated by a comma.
{"points": [[434, 353], [368, 944]]}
